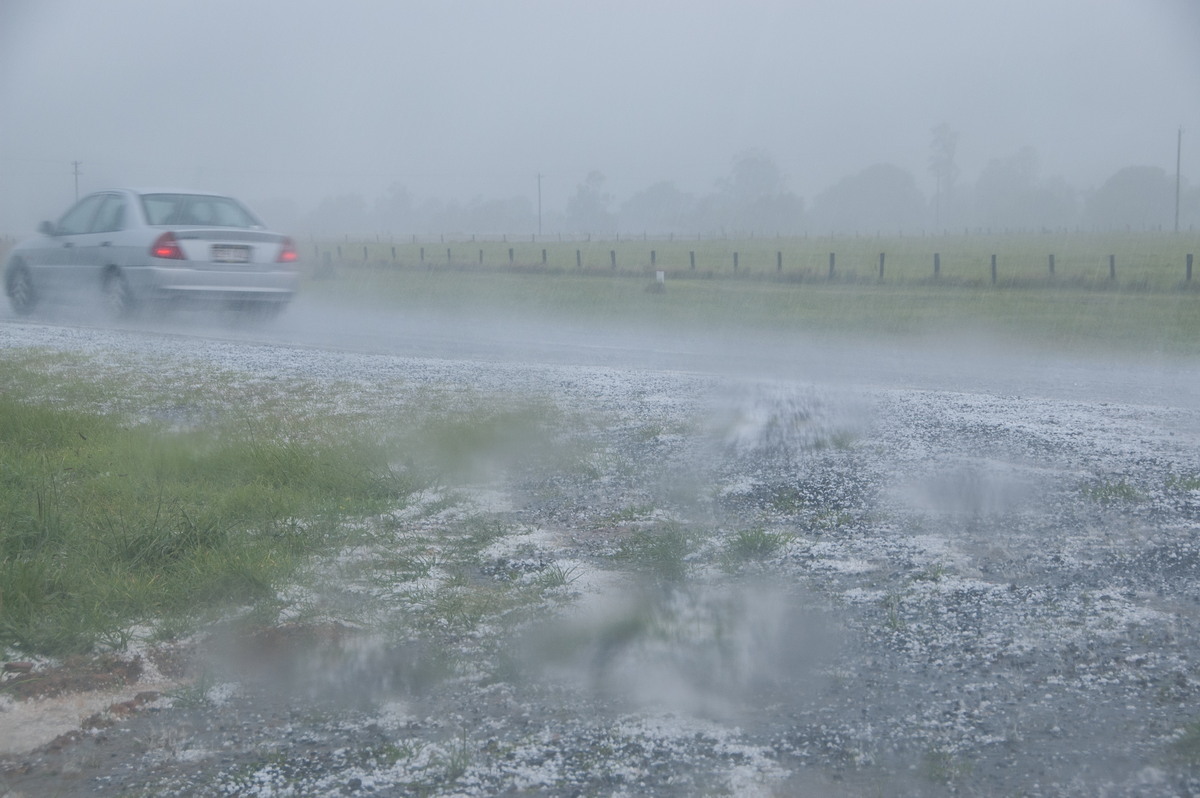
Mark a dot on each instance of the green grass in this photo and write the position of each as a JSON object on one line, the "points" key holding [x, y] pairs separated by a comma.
{"points": [[757, 544], [1112, 492], [104, 524], [661, 552], [1148, 307], [1146, 260], [129, 501]]}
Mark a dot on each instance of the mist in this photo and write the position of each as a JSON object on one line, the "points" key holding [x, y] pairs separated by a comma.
{"points": [[462, 105]]}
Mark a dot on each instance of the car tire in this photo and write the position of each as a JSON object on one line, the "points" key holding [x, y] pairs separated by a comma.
{"points": [[118, 297], [18, 284]]}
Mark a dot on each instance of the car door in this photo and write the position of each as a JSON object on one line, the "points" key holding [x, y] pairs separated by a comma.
{"points": [[62, 256], [96, 248]]}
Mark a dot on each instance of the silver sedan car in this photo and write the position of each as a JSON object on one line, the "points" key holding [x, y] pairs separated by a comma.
{"points": [[131, 249]]}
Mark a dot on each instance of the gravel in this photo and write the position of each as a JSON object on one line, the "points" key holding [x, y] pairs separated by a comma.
{"points": [[911, 585]]}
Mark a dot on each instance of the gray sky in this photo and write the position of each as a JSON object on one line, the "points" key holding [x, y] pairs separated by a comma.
{"points": [[303, 99]]}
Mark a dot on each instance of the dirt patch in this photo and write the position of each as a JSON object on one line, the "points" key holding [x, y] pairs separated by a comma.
{"points": [[76, 675], [46, 708], [51, 707]]}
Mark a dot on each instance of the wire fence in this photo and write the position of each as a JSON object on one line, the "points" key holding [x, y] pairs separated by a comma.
{"points": [[1148, 261]]}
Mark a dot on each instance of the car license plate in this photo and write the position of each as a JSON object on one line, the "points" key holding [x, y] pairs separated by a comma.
{"points": [[230, 254]]}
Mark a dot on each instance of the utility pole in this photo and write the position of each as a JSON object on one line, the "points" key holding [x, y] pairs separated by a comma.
{"points": [[539, 203], [76, 165], [1178, 163]]}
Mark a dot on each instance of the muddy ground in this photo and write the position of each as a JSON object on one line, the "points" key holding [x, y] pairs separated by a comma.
{"points": [[960, 578]]}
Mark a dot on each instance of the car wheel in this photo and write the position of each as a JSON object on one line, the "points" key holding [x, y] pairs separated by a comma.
{"points": [[19, 287], [118, 298]]}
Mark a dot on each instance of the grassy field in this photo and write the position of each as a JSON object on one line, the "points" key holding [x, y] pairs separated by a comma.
{"points": [[1148, 307], [135, 507], [106, 524], [1146, 261]]}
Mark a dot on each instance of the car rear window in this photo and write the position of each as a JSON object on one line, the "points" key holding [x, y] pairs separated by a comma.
{"points": [[197, 210]]}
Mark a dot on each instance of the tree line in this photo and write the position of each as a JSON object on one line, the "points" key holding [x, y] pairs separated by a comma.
{"points": [[1009, 194]]}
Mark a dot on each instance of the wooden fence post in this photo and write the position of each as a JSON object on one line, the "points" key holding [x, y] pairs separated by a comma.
{"points": [[481, 257], [1112, 267], [735, 263], [779, 262], [612, 255], [1051, 264], [447, 254], [993, 269], [937, 265], [1189, 267], [422, 254], [578, 259], [692, 259], [831, 259], [510, 256], [364, 254], [543, 257], [880, 265], [653, 256]]}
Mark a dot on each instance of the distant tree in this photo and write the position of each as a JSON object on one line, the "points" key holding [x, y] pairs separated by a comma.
{"points": [[944, 170], [754, 175], [1010, 195], [1054, 204], [1003, 188], [661, 208], [588, 208], [754, 198], [1140, 197], [881, 198]]}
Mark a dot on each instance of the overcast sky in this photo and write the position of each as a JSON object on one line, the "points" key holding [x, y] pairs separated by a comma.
{"points": [[303, 99]]}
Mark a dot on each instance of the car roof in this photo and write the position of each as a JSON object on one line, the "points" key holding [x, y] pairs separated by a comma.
{"points": [[143, 191]]}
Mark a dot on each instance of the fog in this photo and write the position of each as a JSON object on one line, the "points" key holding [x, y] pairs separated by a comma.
{"points": [[287, 104]]}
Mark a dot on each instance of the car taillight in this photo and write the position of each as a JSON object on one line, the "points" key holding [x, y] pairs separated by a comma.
{"points": [[166, 246], [287, 252]]}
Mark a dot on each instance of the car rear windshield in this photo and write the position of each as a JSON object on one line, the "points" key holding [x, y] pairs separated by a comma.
{"points": [[196, 209]]}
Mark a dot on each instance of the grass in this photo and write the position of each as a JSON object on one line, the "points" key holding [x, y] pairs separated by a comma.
{"points": [[104, 524], [757, 544], [1145, 259], [1112, 492], [1183, 483], [660, 552], [1148, 307]]}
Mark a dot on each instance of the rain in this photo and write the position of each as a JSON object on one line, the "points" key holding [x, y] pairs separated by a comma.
{"points": [[603, 520]]}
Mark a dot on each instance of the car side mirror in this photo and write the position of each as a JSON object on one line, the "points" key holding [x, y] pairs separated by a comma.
{"points": [[47, 228]]}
